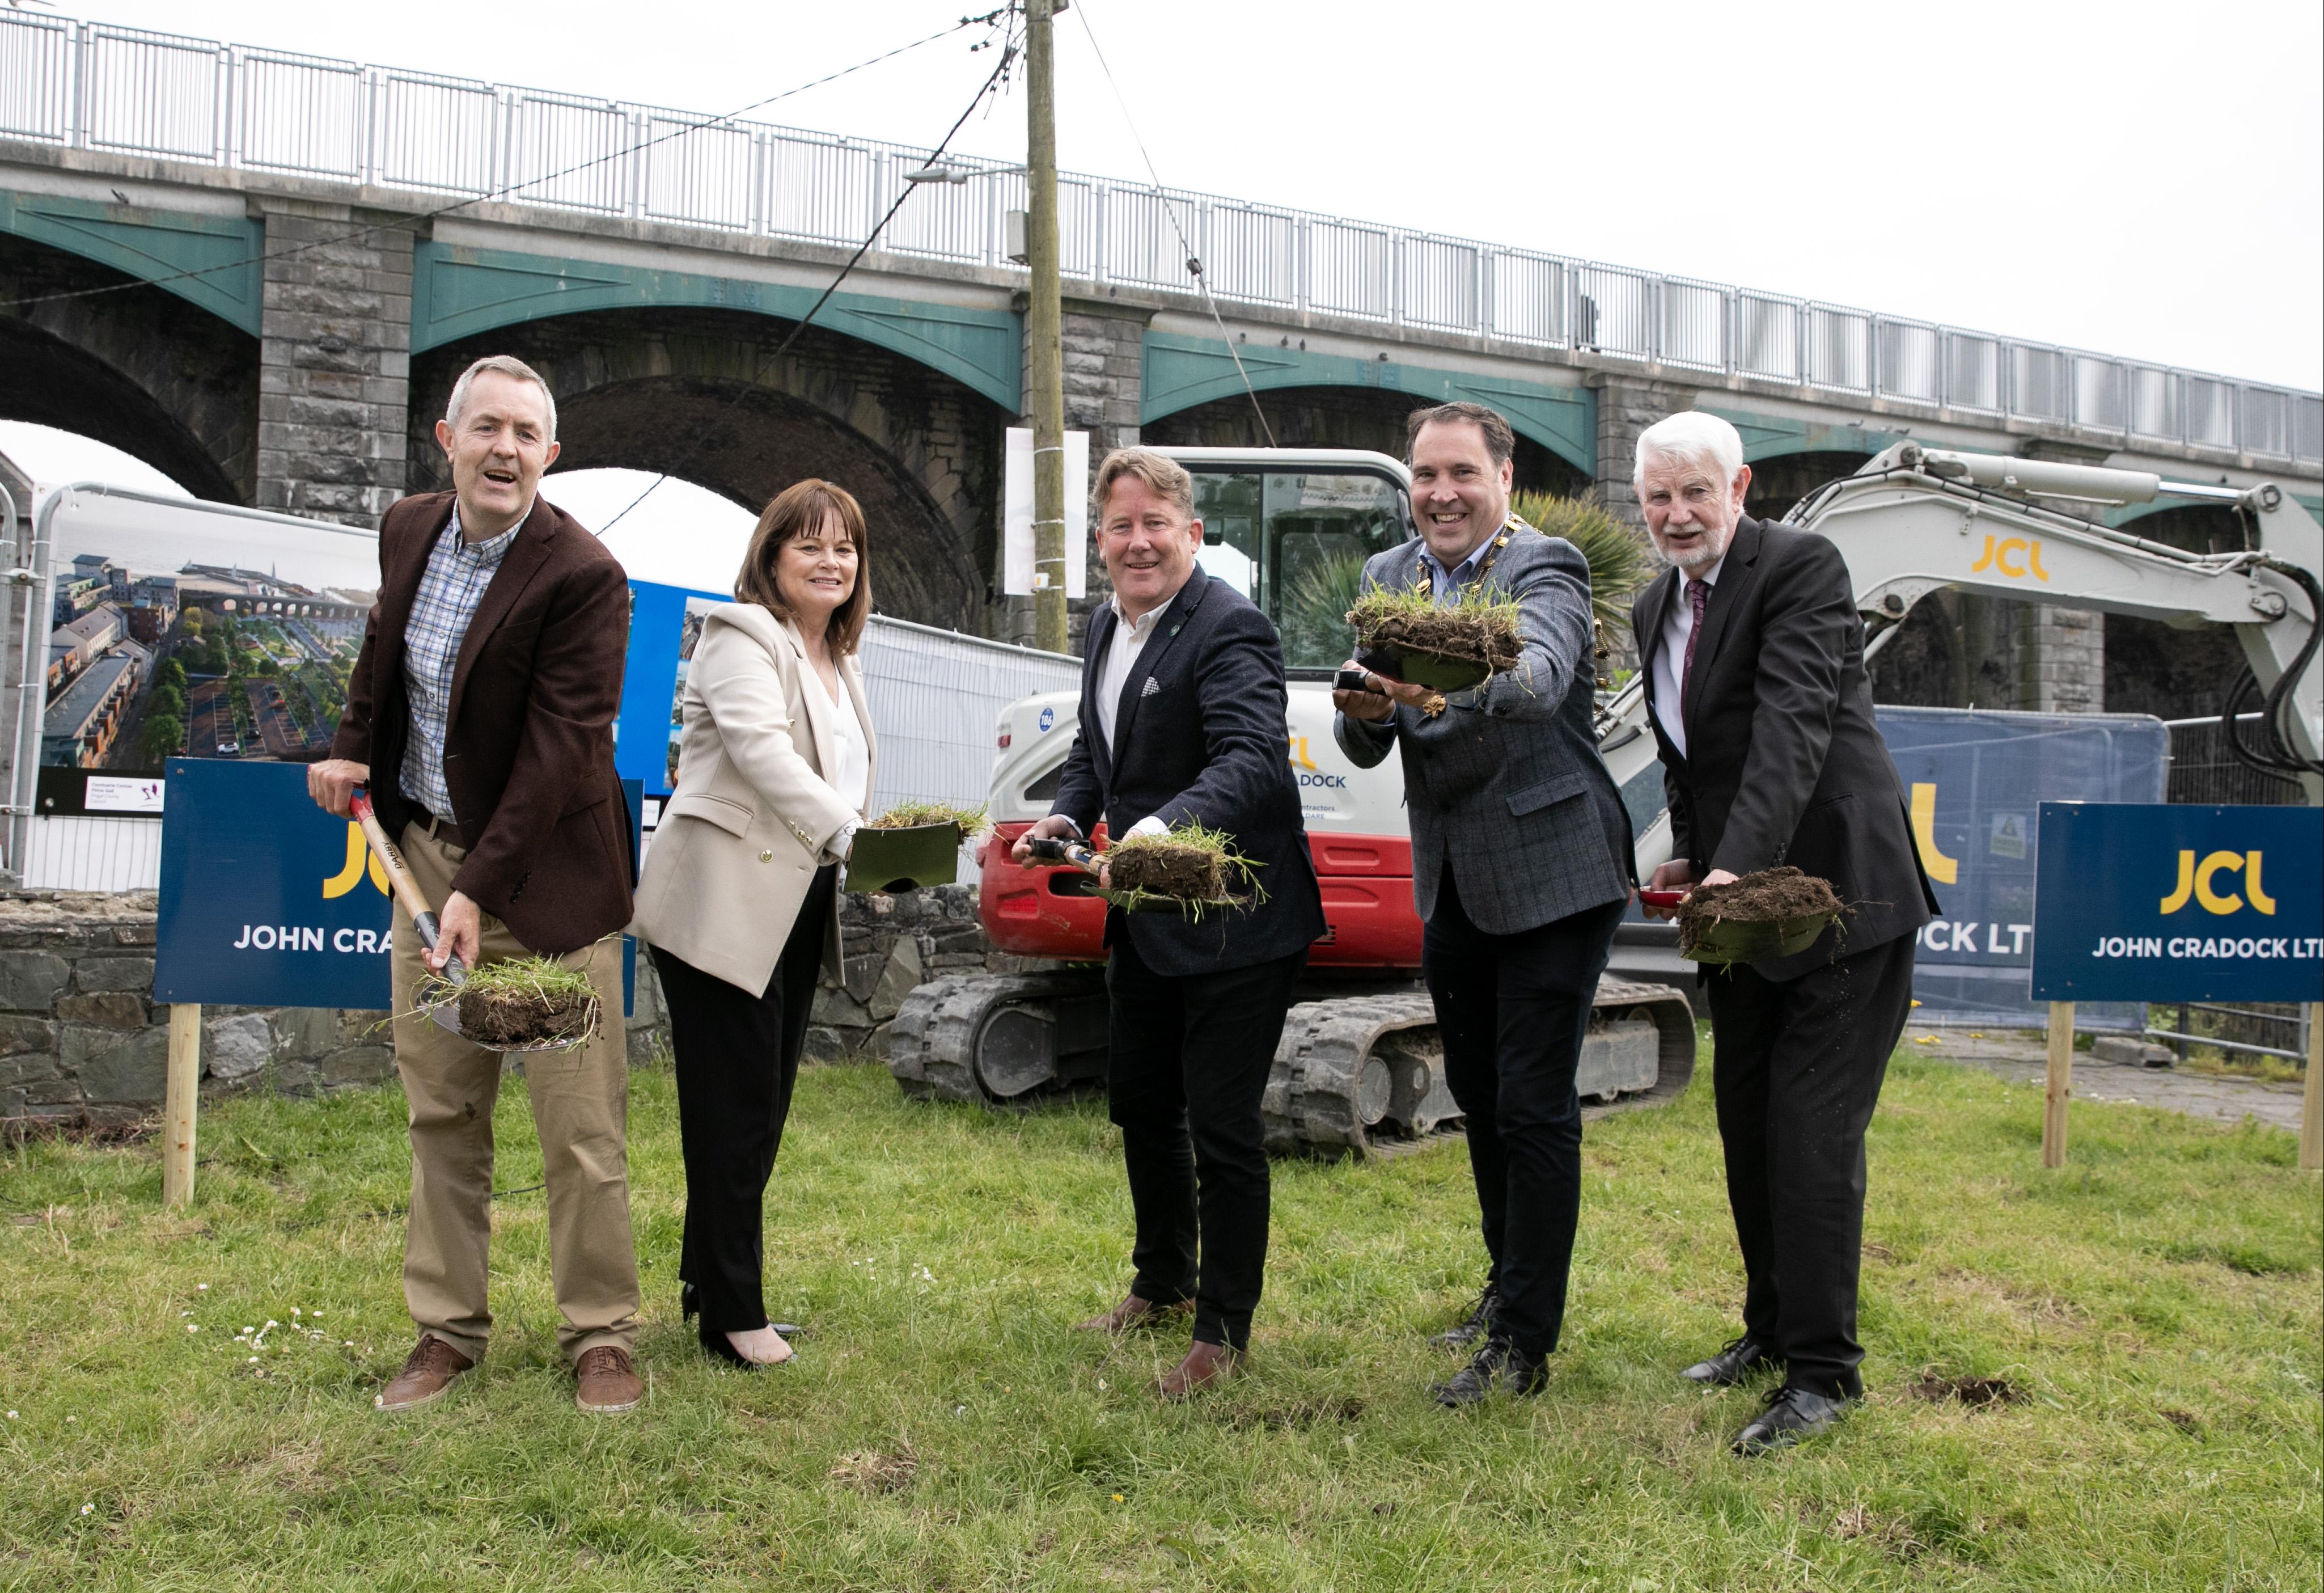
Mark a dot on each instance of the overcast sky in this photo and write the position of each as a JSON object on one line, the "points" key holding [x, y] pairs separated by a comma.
{"points": [[2139, 178]]}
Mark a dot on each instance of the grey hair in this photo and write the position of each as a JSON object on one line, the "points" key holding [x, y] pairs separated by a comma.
{"points": [[1692, 437], [507, 364]]}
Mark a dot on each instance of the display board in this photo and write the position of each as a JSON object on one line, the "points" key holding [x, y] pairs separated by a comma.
{"points": [[268, 900], [2154, 902]]}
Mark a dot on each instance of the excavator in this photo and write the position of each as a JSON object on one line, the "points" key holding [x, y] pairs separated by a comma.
{"points": [[1359, 1067]]}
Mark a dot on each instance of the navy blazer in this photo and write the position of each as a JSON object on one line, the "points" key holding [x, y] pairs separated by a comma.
{"points": [[1784, 760], [1199, 735]]}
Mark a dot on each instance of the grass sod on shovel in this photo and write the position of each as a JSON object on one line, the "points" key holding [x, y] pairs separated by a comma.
{"points": [[912, 844], [1446, 646], [532, 1002], [1193, 869], [1777, 912], [971, 821]]}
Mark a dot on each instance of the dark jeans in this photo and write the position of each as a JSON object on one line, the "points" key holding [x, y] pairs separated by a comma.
{"points": [[737, 1058], [1512, 1011], [1188, 1059], [1796, 1070]]}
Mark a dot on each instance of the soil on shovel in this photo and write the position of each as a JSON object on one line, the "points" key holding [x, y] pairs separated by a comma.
{"points": [[525, 1017], [1169, 868], [1479, 634], [1769, 896]]}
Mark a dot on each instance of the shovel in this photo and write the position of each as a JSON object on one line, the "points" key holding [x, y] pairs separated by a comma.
{"points": [[445, 1014]]}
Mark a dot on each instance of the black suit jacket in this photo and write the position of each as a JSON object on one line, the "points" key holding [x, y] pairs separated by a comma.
{"points": [[528, 757], [1199, 734], [1784, 763]]}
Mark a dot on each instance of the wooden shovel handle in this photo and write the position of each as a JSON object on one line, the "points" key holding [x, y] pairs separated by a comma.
{"points": [[399, 877]]}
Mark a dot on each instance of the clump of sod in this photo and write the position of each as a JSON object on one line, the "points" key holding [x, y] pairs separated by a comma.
{"points": [[1771, 896], [923, 815], [1479, 627], [525, 1000], [1191, 867]]}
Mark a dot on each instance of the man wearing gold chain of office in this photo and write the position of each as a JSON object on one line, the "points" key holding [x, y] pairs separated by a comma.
{"points": [[1521, 867]]}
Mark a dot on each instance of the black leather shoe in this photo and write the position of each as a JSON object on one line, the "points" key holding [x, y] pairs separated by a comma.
{"points": [[1498, 1363], [1791, 1414], [1476, 1325], [1740, 1358]]}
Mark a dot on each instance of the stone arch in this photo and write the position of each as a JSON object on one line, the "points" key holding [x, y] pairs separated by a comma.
{"points": [[1339, 417], [1780, 480], [161, 379], [2151, 668], [695, 392]]}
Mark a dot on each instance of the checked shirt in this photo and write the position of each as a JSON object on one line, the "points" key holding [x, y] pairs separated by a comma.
{"points": [[450, 588]]}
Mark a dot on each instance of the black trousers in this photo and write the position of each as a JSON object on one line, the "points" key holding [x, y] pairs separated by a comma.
{"points": [[738, 1057], [1796, 1070], [1187, 1063], [1511, 1011]]}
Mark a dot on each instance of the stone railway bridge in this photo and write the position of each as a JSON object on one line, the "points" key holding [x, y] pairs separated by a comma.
{"points": [[286, 338]]}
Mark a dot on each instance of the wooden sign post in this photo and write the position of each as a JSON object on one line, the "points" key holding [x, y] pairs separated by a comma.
{"points": [[184, 1094], [2311, 1095], [2058, 1085]]}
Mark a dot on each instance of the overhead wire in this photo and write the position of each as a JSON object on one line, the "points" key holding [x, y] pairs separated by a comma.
{"points": [[413, 217], [1193, 260], [999, 74]]}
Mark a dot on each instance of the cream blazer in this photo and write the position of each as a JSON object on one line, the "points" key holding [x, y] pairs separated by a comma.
{"points": [[745, 829]]}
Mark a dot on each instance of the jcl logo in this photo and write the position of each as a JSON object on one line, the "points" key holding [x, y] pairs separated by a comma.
{"points": [[2195, 880], [358, 854], [1299, 758], [1999, 554]]}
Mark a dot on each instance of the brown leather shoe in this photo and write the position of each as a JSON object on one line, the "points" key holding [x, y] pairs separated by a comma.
{"points": [[1204, 1365], [1134, 1311], [427, 1372], [606, 1381]]}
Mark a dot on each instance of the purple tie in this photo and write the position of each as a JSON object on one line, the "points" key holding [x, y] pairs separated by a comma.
{"points": [[1698, 593]]}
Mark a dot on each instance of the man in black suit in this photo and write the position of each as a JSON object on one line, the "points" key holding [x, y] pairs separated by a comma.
{"points": [[1182, 721], [1753, 658]]}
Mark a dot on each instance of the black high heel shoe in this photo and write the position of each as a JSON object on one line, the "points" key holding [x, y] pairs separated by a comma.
{"points": [[689, 1301]]}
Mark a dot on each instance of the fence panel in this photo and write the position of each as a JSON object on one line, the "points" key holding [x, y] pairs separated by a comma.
{"points": [[820, 189], [1912, 361], [695, 171], [1351, 269], [36, 56], [1972, 372], [2153, 403], [1528, 297], [2264, 426], [151, 93], [936, 696], [2307, 426], [2101, 392], [91, 854], [1693, 329], [1141, 245], [2210, 410], [1768, 336], [297, 113], [1436, 281], [1254, 255], [1840, 348], [568, 152], [437, 133], [2039, 384], [1614, 310], [940, 220]]}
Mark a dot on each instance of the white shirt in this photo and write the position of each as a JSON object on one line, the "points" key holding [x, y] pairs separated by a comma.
{"points": [[1670, 659], [1129, 639], [851, 772]]}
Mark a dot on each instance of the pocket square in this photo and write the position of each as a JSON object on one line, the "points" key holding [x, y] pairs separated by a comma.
{"points": [[1153, 687]]}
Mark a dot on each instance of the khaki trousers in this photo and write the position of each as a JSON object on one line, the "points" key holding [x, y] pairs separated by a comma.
{"points": [[580, 1106]]}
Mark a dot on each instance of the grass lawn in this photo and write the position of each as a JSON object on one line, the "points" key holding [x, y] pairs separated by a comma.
{"points": [[2155, 1307]]}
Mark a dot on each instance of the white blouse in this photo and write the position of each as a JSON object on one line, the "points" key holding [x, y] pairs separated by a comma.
{"points": [[852, 779]]}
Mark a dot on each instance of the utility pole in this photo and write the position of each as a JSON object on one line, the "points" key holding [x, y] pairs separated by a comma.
{"points": [[1044, 328]]}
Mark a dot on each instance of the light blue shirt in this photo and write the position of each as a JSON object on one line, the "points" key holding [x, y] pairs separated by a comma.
{"points": [[1446, 586]]}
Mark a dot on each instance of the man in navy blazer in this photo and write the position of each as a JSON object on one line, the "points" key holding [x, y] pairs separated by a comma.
{"points": [[1183, 717]]}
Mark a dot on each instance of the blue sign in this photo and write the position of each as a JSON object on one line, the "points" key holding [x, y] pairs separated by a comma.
{"points": [[664, 622], [1974, 781], [268, 900], [2179, 903]]}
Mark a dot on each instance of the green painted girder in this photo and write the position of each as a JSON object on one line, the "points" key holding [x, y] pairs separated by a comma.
{"points": [[458, 291], [1769, 437], [1182, 372], [213, 261]]}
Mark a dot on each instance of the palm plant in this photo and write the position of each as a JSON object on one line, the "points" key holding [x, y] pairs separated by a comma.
{"points": [[1620, 563]]}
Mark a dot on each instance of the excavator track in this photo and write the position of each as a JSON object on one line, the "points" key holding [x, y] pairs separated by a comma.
{"points": [[1353, 1074]]}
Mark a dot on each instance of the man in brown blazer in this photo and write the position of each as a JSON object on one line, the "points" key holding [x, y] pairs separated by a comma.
{"points": [[480, 716]]}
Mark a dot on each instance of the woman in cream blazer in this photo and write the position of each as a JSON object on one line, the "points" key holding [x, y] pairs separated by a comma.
{"points": [[740, 897]]}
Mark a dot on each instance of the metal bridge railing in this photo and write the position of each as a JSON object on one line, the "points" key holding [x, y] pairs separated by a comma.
{"points": [[95, 86]]}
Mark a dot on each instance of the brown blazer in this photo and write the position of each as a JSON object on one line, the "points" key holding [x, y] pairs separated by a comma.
{"points": [[528, 757]]}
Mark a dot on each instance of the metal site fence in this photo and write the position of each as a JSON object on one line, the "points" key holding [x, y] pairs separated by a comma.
{"points": [[93, 85]]}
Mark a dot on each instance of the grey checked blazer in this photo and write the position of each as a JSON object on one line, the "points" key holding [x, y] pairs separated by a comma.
{"points": [[1506, 785]]}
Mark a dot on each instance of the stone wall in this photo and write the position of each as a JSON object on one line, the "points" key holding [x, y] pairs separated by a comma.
{"points": [[82, 1033]]}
